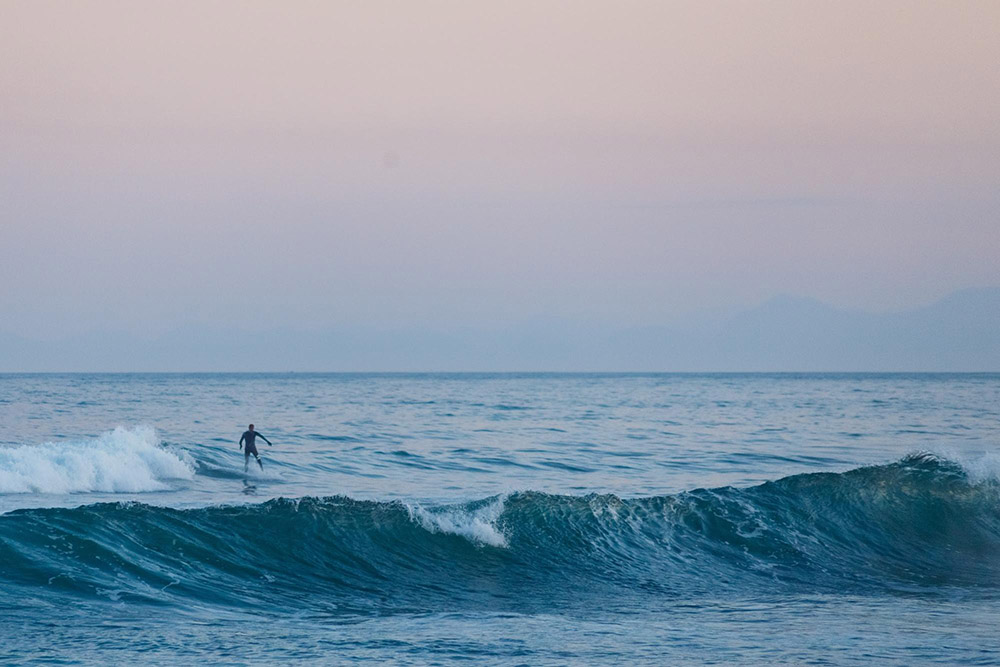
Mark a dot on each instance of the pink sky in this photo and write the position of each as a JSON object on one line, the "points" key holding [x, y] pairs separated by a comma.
{"points": [[466, 162]]}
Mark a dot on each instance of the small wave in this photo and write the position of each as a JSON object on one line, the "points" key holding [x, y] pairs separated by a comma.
{"points": [[206, 469], [121, 461]]}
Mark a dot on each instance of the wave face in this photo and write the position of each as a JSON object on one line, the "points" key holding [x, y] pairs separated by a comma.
{"points": [[120, 461], [918, 525]]}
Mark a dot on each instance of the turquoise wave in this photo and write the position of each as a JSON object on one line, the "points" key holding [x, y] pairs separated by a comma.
{"points": [[917, 526]]}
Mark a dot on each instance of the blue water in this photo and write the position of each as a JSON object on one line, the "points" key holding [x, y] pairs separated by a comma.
{"points": [[501, 519]]}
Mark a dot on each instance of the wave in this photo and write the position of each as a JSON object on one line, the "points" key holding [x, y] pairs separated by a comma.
{"points": [[120, 461], [920, 526]]}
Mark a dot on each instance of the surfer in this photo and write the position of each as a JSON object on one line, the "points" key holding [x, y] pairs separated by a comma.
{"points": [[249, 436]]}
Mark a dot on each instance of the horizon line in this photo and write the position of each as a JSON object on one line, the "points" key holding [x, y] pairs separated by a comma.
{"points": [[507, 372]]}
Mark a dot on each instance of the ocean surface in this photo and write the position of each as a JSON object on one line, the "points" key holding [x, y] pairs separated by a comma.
{"points": [[500, 519]]}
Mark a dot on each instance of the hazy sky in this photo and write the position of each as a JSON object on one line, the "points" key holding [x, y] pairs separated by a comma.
{"points": [[315, 164]]}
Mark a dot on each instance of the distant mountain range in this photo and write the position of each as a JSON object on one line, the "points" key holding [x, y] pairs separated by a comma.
{"points": [[959, 333]]}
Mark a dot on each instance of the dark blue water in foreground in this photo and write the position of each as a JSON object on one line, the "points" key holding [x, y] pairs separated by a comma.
{"points": [[501, 519]]}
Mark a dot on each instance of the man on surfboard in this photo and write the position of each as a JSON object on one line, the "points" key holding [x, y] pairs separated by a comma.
{"points": [[249, 436]]}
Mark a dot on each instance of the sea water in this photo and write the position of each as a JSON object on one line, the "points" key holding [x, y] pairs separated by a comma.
{"points": [[500, 519]]}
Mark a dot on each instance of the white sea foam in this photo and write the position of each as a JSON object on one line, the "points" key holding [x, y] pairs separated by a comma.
{"points": [[981, 468], [126, 460], [978, 466], [478, 525]]}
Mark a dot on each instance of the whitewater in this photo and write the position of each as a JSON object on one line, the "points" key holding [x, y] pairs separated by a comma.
{"points": [[505, 519]]}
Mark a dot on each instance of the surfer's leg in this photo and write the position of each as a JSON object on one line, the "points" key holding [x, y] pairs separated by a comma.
{"points": [[250, 450], [260, 463]]}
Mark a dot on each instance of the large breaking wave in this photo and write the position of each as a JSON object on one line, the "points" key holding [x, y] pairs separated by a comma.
{"points": [[917, 526]]}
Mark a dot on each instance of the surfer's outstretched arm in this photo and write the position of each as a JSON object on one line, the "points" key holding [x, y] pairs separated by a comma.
{"points": [[242, 438], [264, 439]]}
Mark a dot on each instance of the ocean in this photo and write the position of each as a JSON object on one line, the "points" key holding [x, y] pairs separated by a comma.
{"points": [[514, 519]]}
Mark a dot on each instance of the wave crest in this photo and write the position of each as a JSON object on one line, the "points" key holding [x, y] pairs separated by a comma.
{"points": [[476, 522], [921, 525], [126, 460]]}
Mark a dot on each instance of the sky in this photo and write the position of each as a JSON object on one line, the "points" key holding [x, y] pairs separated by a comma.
{"points": [[469, 164]]}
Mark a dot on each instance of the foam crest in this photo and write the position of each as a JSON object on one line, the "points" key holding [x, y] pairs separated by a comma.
{"points": [[475, 524], [979, 468], [126, 460]]}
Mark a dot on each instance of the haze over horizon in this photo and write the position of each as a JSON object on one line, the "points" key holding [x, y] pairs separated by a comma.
{"points": [[785, 334], [447, 165]]}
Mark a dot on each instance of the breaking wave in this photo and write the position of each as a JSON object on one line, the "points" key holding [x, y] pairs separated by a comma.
{"points": [[120, 461], [920, 525]]}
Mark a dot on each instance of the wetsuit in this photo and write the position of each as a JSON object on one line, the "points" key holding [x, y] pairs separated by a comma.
{"points": [[251, 448]]}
